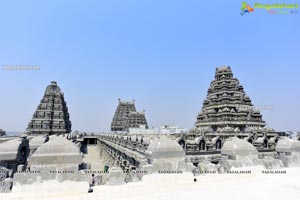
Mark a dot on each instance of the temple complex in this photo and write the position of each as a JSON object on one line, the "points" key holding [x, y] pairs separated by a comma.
{"points": [[127, 117], [51, 116], [229, 133]]}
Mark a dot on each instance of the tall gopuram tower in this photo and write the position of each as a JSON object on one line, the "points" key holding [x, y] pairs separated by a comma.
{"points": [[227, 105], [51, 116], [127, 117], [226, 112]]}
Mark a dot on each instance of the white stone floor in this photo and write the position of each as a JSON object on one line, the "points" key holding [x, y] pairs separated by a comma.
{"points": [[252, 186]]}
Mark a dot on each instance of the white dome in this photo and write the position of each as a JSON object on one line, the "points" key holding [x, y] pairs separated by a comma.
{"points": [[288, 145], [165, 148], [238, 147]]}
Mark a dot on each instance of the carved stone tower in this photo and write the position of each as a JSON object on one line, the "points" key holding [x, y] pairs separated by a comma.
{"points": [[127, 117], [227, 105], [51, 116]]}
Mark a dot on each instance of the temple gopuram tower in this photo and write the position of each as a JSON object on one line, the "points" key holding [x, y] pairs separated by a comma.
{"points": [[227, 105], [127, 117], [228, 112], [51, 116]]}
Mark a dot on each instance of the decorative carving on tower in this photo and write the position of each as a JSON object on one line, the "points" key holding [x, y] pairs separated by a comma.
{"points": [[127, 117], [227, 105], [227, 112], [51, 116], [135, 120]]}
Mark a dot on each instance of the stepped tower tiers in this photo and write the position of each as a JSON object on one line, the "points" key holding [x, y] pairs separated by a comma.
{"points": [[127, 117], [51, 116], [227, 112], [227, 105], [135, 120]]}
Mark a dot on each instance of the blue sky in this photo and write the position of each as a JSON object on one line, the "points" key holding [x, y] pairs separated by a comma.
{"points": [[163, 54]]}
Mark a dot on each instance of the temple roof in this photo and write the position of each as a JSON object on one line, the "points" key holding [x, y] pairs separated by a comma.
{"points": [[57, 145], [9, 150], [238, 147]]}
